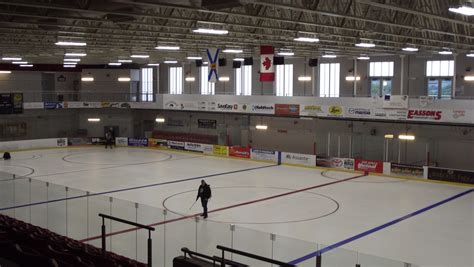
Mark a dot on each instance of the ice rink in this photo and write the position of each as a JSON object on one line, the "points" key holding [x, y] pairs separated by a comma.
{"points": [[442, 236]]}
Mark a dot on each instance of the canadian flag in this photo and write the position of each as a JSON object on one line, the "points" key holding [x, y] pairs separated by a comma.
{"points": [[267, 71]]}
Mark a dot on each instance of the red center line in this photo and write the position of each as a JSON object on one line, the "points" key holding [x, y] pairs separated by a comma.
{"points": [[225, 208]]}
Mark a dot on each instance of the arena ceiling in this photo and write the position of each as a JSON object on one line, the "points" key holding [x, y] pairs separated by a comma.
{"points": [[116, 29]]}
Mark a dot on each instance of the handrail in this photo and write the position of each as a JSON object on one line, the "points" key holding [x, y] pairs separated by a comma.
{"points": [[213, 258], [126, 222], [149, 228], [193, 253], [253, 256]]}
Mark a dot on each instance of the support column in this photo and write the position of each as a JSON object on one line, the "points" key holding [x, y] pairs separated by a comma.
{"points": [[453, 91], [402, 74], [355, 75]]}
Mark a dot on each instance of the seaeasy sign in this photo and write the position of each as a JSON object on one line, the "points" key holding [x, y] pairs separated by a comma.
{"points": [[137, 141], [265, 155], [298, 159]]}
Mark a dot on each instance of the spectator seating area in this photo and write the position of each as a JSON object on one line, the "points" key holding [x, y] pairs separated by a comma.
{"points": [[23, 244]]}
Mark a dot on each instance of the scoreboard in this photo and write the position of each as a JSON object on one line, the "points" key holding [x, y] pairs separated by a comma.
{"points": [[11, 103]]}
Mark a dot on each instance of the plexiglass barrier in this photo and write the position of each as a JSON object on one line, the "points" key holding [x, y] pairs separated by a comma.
{"points": [[74, 213]]}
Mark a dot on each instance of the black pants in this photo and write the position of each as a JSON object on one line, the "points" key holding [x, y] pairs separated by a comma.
{"points": [[108, 143], [204, 206]]}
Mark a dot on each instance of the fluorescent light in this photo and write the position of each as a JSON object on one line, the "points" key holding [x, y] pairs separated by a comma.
{"points": [[62, 43], [365, 45], [115, 64], [261, 127], [125, 60], [445, 52], [304, 78], [190, 79], [93, 119], [307, 39], [283, 53], [26, 65], [224, 79], [233, 51], [75, 54], [87, 79], [470, 54], [123, 79], [170, 61], [239, 59], [194, 58], [205, 63], [161, 47], [139, 56], [211, 31], [351, 78], [70, 63], [69, 66], [406, 137], [329, 56], [5, 72], [11, 58], [463, 10], [72, 59], [363, 57], [153, 64], [19, 62], [388, 136], [160, 120], [469, 78], [410, 49]]}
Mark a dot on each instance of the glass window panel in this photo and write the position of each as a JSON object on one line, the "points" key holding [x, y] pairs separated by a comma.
{"points": [[444, 68], [436, 68], [375, 87], [247, 80], [386, 86], [176, 80], [238, 81], [429, 66], [446, 88], [433, 87], [451, 68]]}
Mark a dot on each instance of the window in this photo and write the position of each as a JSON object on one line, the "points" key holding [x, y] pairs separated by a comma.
{"points": [[146, 90], [284, 80], [243, 80], [440, 78], [207, 88], [329, 80], [176, 80], [381, 74]]}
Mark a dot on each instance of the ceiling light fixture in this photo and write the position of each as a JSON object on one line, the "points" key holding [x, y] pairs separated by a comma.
{"points": [[233, 51], [153, 64], [239, 59], [445, 52], [125, 60], [329, 56], [115, 64], [11, 58], [304, 78], [93, 119], [72, 59], [406, 137], [463, 10], [307, 39], [124, 79], [224, 79], [5, 72], [194, 58], [410, 49], [261, 127], [87, 79], [26, 65], [19, 62], [351, 78], [160, 120], [388, 136], [469, 78], [211, 31], [286, 53], [363, 57], [190, 79], [70, 63], [162, 47], [75, 54], [170, 61], [69, 66], [470, 54], [139, 56], [365, 44], [63, 43]]}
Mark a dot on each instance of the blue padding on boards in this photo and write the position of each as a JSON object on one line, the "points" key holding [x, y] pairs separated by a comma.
{"points": [[378, 228]]}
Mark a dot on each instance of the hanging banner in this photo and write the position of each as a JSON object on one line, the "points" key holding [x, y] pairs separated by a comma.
{"points": [[213, 56], [267, 69]]}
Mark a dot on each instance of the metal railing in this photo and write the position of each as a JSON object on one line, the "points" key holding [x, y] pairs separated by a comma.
{"points": [[149, 242], [250, 255]]}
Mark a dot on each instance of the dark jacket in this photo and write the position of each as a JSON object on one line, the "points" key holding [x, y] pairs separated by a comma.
{"points": [[204, 192]]}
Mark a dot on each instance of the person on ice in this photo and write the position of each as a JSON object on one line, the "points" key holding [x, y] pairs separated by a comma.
{"points": [[204, 192]]}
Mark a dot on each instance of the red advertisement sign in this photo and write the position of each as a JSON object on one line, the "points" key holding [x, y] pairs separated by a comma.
{"points": [[239, 152], [287, 110], [369, 165], [420, 114]]}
